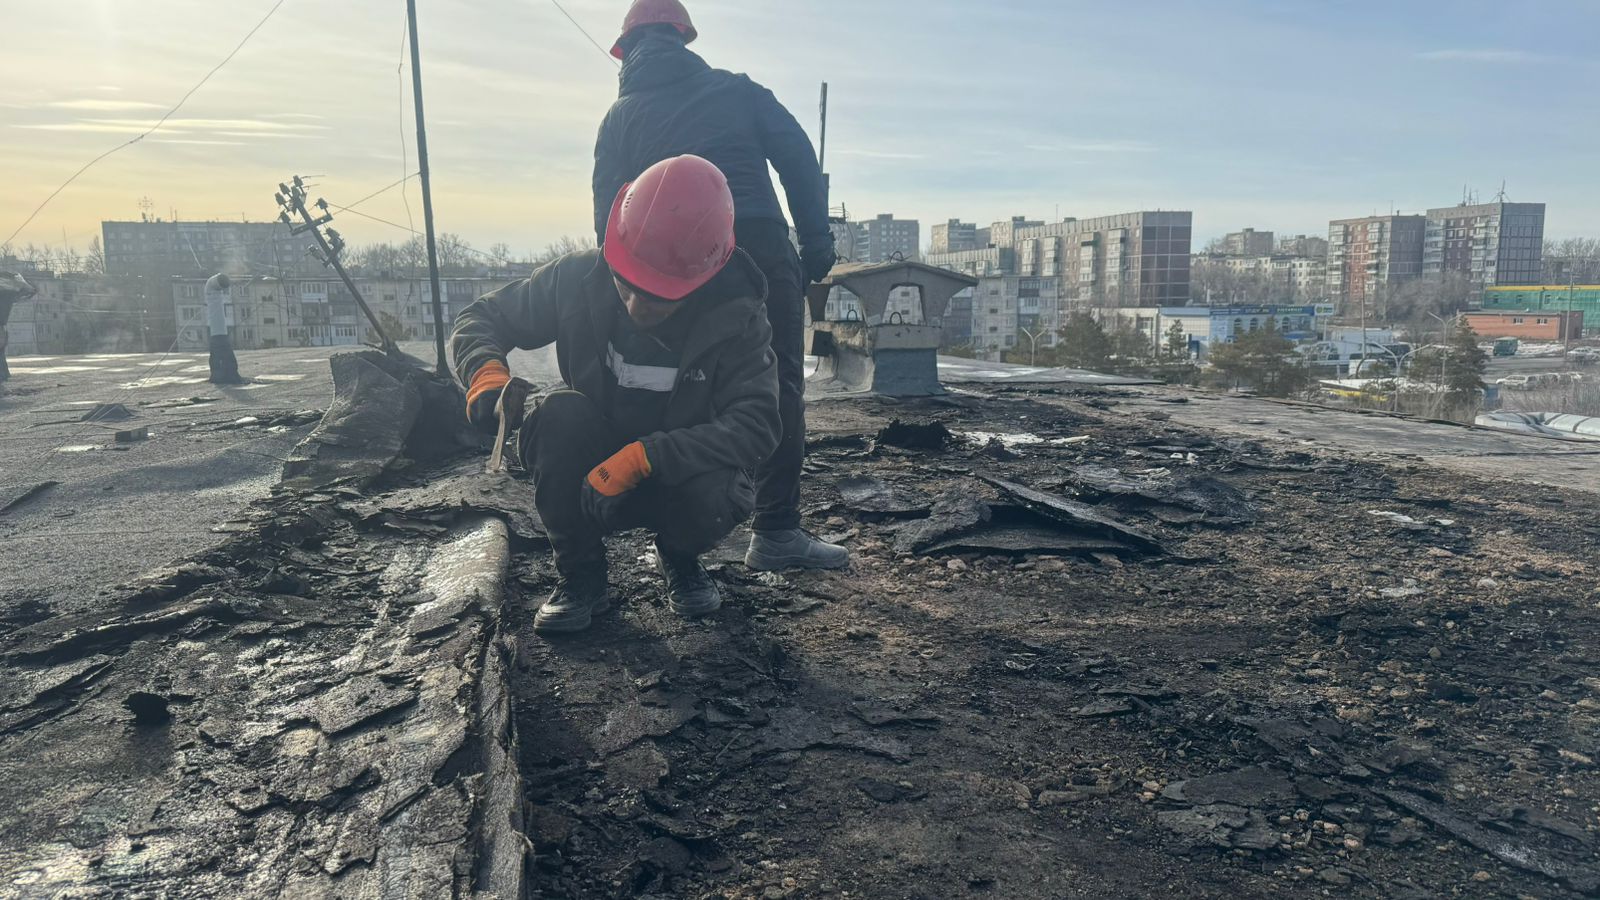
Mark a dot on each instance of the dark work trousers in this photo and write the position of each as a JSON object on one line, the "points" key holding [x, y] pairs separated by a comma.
{"points": [[224, 365], [778, 480], [565, 437], [5, 315]]}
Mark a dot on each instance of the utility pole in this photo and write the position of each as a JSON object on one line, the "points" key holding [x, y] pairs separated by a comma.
{"points": [[1566, 325], [822, 143], [1033, 346], [1364, 343], [427, 192], [292, 197]]}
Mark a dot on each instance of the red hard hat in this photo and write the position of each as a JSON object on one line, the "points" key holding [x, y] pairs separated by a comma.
{"points": [[656, 12], [671, 229]]}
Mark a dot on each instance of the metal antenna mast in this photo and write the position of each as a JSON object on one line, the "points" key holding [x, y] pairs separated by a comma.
{"points": [[427, 192]]}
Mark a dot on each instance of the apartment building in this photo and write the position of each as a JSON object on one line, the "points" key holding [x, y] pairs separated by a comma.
{"points": [[263, 313], [1489, 244], [1131, 259], [954, 236], [886, 238], [1370, 255], [1248, 242]]}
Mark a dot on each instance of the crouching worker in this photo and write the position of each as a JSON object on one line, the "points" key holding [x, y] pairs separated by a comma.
{"points": [[670, 394]]}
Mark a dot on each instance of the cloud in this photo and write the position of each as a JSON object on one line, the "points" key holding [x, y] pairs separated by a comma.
{"points": [[183, 127], [91, 105], [877, 154], [1094, 147], [1485, 55], [88, 127], [212, 124]]}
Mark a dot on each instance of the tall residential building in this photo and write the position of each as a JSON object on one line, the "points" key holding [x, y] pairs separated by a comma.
{"points": [[264, 313], [1305, 245], [1132, 259], [1260, 279], [984, 263], [163, 249], [1367, 256], [1305, 277], [1248, 242], [1489, 244], [1011, 312], [886, 238], [954, 236], [1004, 234]]}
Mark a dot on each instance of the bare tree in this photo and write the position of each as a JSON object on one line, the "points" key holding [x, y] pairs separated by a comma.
{"points": [[1223, 284], [561, 247], [455, 253], [94, 263], [1572, 260]]}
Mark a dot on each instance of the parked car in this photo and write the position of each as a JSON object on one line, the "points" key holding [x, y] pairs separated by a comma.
{"points": [[1538, 380]]}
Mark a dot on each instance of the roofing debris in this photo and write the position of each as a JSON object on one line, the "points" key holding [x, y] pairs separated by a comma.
{"points": [[1151, 656], [295, 728], [1196, 656]]}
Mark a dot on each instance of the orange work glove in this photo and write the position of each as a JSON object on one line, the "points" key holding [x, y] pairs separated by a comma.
{"points": [[622, 472], [484, 393], [609, 482]]}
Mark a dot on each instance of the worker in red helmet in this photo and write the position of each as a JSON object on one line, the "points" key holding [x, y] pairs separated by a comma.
{"points": [[671, 102], [669, 395]]}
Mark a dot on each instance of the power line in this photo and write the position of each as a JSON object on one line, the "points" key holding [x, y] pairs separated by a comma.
{"points": [[152, 130], [383, 190], [603, 51], [405, 161], [467, 247], [400, 112]]}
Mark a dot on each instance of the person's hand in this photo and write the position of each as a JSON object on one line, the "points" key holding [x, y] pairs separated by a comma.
{"points": [[816, 261], [609, 483], [484, 393]]}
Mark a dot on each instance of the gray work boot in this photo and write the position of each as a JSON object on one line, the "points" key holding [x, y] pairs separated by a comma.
{"points": [[793, 549], [690, 591], [572, 605]]}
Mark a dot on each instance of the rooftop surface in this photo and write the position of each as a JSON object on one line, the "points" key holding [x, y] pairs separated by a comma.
{"points": [[1097, 640]]}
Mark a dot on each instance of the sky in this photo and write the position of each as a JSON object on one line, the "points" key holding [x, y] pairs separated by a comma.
{"points": [[1263, 113]]}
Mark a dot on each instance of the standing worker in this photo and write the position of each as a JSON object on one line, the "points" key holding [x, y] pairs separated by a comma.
{"points": [[671, 102], [224, 365], [670, 393], [13, 290]]}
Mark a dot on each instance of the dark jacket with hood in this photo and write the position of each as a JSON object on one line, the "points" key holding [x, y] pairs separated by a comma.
{"points": [[723, 413], [671, 103]]}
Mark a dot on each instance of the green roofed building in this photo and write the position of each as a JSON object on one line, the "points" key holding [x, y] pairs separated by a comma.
{"points": [[1583, 298]]}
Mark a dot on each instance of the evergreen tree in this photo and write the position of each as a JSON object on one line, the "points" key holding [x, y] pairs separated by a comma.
{"points": [[1264, 359], [1084, 343], [1177, 342], [1465, 361]]}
